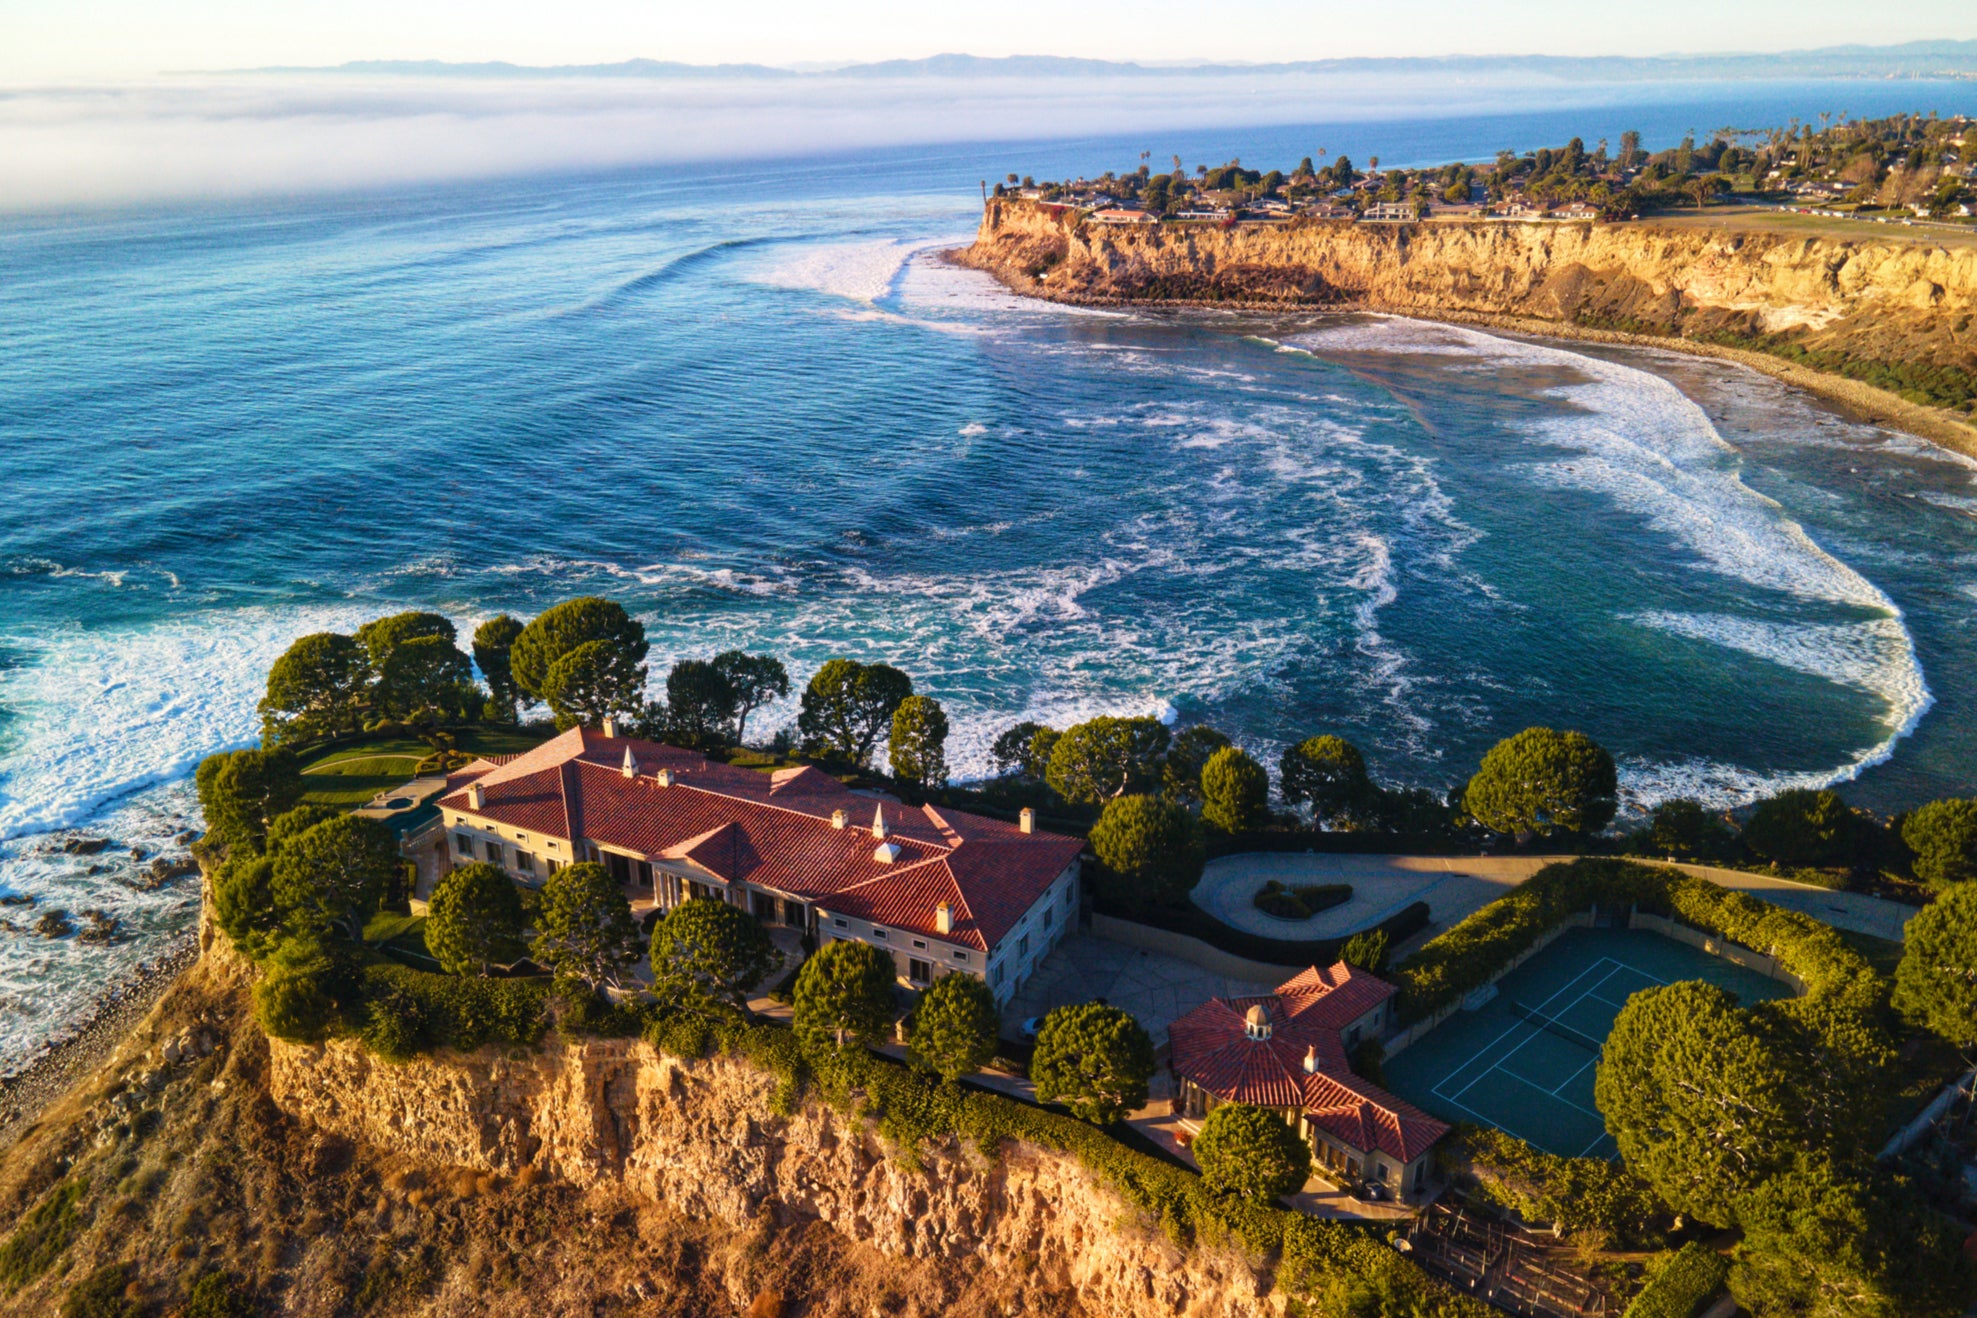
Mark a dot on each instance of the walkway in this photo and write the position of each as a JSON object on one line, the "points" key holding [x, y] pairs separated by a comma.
{"points": [[1457, 886], [1152, 987]]}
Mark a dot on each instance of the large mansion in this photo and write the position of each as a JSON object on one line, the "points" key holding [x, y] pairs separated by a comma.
{"points": [[1288, 1051], [940, 890]]}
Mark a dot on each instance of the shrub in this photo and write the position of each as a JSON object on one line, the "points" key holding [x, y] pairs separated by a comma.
{"points": [[1803, 828], [449, 1011], [1251, 1152], [1301, 902], [1367, 950], [1584, 1196], [41, 1234], [101, 1294], [307, 988], [218, 1295], [1682, 1283]]}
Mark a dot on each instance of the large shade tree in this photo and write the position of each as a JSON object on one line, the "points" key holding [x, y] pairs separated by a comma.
{"points": [[493, 640], [474, 920], [585, 933], [569, 625], [955, 1027], [1106, 757], [1094, 1059], [1804, 829], [708, 951], [1936, 982], [844, 996], [1023, 750], [917, 748], [755, 679], [241, 793], [848, 706], [381, 636], [1251, 1153], [593, 682], [335, 874], [1943, 837], [1187, 755], [700, 704], [1543, 781], [1235, 791], [1151, 849], [316, 689], [426, 677], [1328, 774]]}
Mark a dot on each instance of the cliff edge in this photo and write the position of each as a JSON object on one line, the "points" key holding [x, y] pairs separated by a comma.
{"points": [[1885, 328]]}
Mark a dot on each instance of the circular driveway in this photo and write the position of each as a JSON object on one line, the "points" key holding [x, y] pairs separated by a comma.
{"points": [[1381, 886]]}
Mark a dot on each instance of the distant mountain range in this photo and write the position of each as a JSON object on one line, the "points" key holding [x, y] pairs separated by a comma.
{"points": [[1915, 59]]}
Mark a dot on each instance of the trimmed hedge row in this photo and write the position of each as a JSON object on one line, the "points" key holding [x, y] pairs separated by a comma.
{"points": [[1197, 923], [1350, 1267], [1471, 953], [409, 1011], [1683, 1285]]}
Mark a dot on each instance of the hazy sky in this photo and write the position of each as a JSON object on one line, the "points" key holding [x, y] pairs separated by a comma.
{"points": [[43, 39]]}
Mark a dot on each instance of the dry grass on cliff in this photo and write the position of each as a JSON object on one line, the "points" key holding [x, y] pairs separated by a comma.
{"points": [[197, 1171]]}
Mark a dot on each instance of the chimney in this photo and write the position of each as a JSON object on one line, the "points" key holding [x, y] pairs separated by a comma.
{"points": [[839, 819], [610, 726], [1311, 1061], [476, 798], [665, 776], [944, 918], [630, 766], [879, 829], [1027, 820]]}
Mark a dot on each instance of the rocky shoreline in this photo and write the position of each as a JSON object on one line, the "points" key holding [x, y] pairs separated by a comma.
{"points": [[61, 1063]]}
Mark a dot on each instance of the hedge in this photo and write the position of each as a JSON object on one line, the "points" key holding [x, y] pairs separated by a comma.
{"points": [[911, 1107], [1197, 923], [1582, 1195], [1683, 1285], [409, 1011], [1474, 951]]}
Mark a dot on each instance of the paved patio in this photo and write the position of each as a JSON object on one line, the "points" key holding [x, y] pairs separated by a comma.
{"points": [[1152, 987]]}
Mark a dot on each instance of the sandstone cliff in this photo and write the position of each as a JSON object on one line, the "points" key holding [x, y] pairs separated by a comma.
{"points": [[702, 1139], [1895, 314]]}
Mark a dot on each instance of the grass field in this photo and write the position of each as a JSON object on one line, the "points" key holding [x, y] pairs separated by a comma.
{"points": [[352, 773]]}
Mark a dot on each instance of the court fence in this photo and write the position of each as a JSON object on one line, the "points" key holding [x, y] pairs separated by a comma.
{"points": [[1714, 944], [1394, 1043]]}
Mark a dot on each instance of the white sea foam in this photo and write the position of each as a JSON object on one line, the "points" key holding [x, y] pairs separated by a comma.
{"points": [[1639, 442]]}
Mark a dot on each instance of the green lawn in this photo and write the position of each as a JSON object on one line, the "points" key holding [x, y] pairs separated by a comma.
{"points": [[401, 936], [352, 773]]}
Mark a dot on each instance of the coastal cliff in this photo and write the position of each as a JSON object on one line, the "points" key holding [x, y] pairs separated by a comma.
{"points": [[701, 1138], [1855, 319]]}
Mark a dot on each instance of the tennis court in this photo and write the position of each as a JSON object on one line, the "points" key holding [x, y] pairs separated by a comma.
{"points": [[1525, 1062]]}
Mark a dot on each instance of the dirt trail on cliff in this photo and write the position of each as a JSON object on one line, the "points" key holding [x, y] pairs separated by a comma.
{"points": [[1835, 316]]}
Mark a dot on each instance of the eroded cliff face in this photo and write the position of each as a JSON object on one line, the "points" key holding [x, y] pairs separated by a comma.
{"points": [[702, 1139], [1895, 301]]}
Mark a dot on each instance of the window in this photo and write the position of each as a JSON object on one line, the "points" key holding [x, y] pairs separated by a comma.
{"points": [[1380, 1172], [837, 924], [920, 972], [525, 862], [463, 846], [1047, 913], [494, 851], [521, 837], [555, 846], [553, 865], [878, 933], [920, 943], [995, 976], [960, 956], [1023, 945]]}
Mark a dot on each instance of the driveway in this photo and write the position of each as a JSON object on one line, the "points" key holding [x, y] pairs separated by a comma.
{"points": [[1152, 987]]}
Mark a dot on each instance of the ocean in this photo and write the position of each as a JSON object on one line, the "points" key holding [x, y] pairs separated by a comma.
{"points": [[752, 402]]}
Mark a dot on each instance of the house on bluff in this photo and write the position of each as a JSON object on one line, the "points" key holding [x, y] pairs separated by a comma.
{"points": [[1288, 1051], [941, 891]]}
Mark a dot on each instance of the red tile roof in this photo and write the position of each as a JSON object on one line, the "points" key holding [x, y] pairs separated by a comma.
{"points": [[775, 831], [1211, 1046]]}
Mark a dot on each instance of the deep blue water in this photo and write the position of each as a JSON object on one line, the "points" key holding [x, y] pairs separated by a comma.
{"points": [[755, 406]]}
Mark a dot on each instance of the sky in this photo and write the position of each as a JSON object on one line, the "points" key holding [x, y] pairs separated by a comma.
{"points": [[42, 40]]}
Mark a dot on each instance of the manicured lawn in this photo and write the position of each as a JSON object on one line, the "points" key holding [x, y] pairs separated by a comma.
{"points": [[403, 936], [354, 772]]}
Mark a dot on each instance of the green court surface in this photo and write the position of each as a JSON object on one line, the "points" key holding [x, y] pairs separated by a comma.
{"points": [[1525, 1061]]}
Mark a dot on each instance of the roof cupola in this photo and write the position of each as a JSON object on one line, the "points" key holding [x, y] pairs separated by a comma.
{"points": [[1256, 1023]]}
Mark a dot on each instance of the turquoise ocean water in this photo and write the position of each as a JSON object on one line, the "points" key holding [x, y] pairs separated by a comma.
{"points": [[754, 404]]}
